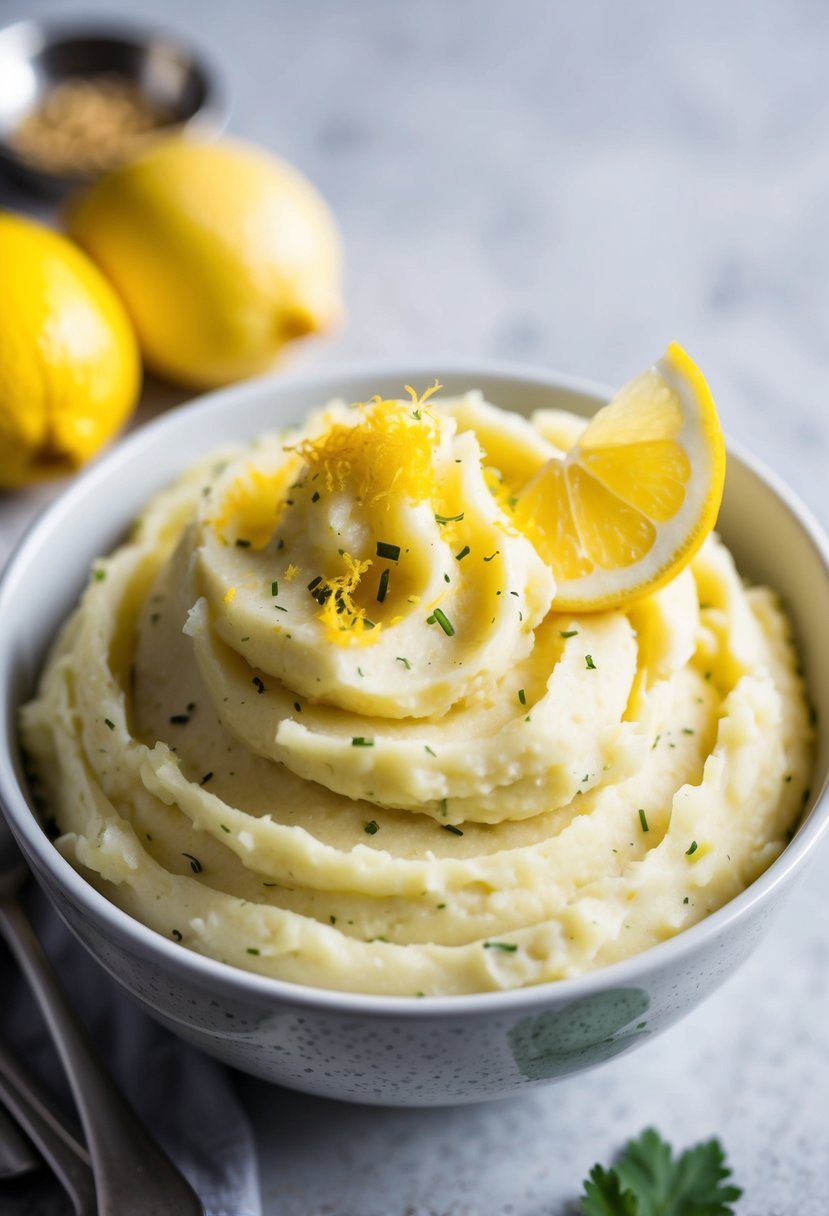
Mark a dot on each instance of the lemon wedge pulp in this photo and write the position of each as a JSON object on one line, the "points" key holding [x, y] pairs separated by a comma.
{"points": [[631, 502]]}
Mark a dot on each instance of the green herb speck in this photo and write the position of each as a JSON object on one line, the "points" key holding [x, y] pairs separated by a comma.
{"points": [[444, 622]]}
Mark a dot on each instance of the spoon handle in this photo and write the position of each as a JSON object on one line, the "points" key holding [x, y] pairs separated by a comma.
{"points": [[69, 1160], [133, 1177], [16, 1154]]}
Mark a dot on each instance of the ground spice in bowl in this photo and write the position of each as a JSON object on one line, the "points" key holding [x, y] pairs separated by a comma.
{"points": [[86, 124]]}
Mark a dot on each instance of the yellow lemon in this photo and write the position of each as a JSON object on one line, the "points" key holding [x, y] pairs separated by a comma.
{"points": [[634, 498], [222, 254], [69, 365]]}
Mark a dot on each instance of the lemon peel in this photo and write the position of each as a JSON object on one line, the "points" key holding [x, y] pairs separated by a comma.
{"points": [[630, 504]]}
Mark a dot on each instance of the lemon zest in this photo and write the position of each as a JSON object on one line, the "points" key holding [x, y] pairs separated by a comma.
{"points": [[385, 454], [345, 622]]}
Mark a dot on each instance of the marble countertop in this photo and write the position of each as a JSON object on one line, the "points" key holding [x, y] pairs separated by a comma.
{"points": [[571, 186]]}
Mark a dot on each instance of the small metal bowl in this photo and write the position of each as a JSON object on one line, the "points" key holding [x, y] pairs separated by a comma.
{"points": [[35, 56]]}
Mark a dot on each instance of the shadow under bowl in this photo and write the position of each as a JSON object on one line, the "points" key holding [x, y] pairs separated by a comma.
{"points": [[388, 1050]]}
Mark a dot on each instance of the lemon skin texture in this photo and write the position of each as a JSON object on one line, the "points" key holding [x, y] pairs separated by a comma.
{"points": [[70, 370], [222, 253]]}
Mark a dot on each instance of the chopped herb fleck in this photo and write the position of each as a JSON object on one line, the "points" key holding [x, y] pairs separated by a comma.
{"points": [[643, 819], [361, 741], [685, 900], [252, 950], [448, 519], [176, 935], [99, 574], [567, 633], [332, 918], [495, 554], [384, 586], [429, 750], [371, 827], [507, 947], [392, 552], [241, 543], [315, 497], [258, 684], [588, 662], [180, 719], [522, 696], [206, 778], [446, 578], [692, 848], [274, 588], [225, 828], [686, 730], [450, 827], [444, 622], [465, 551], [108, 722], [405, 662], [195, 864], [297, 707]]}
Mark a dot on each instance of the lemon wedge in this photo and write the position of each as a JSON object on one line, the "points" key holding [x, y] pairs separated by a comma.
{"points": [[632, 501]]}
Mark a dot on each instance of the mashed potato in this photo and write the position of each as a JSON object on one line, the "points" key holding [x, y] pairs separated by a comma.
{"points": [[319, 718]]}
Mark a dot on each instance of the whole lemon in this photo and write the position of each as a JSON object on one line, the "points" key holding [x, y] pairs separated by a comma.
{"points": [[70, 370], [222, 254]]}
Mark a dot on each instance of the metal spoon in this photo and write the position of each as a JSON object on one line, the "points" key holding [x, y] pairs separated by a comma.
{"points": [[16, 1154], [133, 1177], [59, 1145]]}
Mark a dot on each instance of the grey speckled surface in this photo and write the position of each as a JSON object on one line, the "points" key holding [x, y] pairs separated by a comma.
{"points": [[569, 185]]}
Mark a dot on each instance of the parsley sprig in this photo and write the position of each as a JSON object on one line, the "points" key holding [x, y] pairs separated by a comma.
{"points": [[647, 1181]]}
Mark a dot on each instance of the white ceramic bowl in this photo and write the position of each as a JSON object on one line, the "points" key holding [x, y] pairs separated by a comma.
{"points": [[385, 1049]]}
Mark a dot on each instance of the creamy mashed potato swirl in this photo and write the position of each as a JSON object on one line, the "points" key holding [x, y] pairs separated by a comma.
{"points": [[320, 719]]}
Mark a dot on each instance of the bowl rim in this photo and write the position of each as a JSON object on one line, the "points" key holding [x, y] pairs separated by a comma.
{"points": [[234, 981]]}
